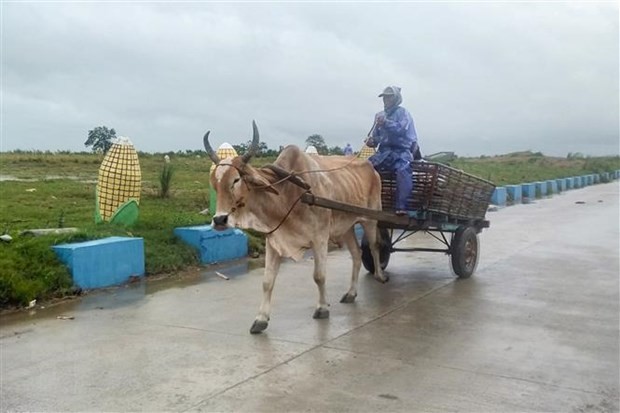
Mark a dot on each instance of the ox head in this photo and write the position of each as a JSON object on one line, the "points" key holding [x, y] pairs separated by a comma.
{"points": [[235, 183]]}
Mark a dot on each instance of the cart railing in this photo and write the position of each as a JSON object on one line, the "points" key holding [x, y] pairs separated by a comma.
{"points": [[441, 190], [443, 198]]}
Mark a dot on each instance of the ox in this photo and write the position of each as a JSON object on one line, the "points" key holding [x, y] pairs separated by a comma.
{"points": [[259, 199]]}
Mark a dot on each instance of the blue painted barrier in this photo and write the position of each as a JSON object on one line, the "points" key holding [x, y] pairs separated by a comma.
{"points": [[584, 180], [576, 182], [597, 178], [359, 232], [499, 196], [561, 184], [215, 246], [569, 183], [552, 187], [528, 190], [514, 193], [103, 262], [541, 188], [590, 179]]}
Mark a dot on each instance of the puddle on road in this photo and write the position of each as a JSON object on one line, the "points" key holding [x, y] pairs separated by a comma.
{"points": [[129, 294]]}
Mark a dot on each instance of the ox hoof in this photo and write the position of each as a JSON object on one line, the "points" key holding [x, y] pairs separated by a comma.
{"points": [[348, 298], [383, 280], [321, 313], [258, 327]]}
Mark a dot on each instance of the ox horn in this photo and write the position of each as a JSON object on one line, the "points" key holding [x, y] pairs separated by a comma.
{"points": [[253, 146], [209, 149]]}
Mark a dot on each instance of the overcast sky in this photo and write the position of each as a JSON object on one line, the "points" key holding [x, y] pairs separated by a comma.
{"points": [[478, 77]]}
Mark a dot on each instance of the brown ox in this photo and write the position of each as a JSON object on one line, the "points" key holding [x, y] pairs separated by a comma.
{"points": [[258, 199]]}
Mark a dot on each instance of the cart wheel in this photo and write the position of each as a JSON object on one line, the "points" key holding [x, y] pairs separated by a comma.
{"points": [[385, 249], [465, 251]]}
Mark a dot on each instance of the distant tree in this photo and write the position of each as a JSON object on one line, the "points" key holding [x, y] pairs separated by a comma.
{"points": [[263, 149], [241, 148], [100, 139], [574, 155], [318, 142], [335, 150], [271, 153]]}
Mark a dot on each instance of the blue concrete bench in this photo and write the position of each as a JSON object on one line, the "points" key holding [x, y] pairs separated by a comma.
{"points": [[514, 193], [215, 246], [103, 262], [529, 191], [561, 184], [499, 196]]}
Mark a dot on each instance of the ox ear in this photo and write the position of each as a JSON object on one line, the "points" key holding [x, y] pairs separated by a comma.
{"points": [[261, 182]]}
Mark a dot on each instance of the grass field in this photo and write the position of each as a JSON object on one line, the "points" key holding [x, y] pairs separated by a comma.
{"points": [[48, 190]]}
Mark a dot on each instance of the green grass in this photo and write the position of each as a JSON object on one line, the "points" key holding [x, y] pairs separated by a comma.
{"points": [[40, 204], [529, 167], [29, 268]]}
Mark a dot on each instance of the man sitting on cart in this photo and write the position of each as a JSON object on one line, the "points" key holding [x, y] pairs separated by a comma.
{"points": [[394, 132]]}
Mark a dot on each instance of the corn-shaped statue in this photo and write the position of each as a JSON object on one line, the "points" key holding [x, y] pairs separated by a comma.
{"points": [[366, 152], [118, 187], [224, 151]]}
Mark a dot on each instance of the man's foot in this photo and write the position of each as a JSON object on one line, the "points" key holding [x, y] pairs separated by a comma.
{"points": [[401, 212]]}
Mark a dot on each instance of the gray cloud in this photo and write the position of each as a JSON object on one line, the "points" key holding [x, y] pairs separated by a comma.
{"points": [[479, 78]]}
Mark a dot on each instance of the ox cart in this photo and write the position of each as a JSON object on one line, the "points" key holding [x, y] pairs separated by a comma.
{"points": [[446, 203]]}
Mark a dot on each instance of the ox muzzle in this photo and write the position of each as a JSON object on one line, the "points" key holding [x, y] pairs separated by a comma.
{"points": [[220, 222]]}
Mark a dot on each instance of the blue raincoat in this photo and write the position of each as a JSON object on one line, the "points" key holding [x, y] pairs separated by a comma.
{"points": [[397, 141]]}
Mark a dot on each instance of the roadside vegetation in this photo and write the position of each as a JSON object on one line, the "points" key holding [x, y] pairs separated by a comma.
{"points": [[49, 190]]}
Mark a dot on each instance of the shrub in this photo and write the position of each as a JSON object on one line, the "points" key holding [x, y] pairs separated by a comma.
{"points": [[165, 180]]}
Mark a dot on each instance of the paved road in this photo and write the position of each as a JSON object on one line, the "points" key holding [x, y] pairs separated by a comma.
{"points": [[536, 329]]}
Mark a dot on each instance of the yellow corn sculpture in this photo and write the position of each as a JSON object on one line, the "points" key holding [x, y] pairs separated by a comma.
{"points": [[366, 152], [224, 151], [118, 187]]}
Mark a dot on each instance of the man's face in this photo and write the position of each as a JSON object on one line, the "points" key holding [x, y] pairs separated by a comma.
{"points": [[389, 100]]}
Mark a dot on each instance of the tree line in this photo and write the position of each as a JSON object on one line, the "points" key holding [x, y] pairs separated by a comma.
{"points": [[100, 141]]}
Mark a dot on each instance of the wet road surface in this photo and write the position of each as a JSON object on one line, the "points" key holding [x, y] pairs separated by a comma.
{"points": [[535, 329]]}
